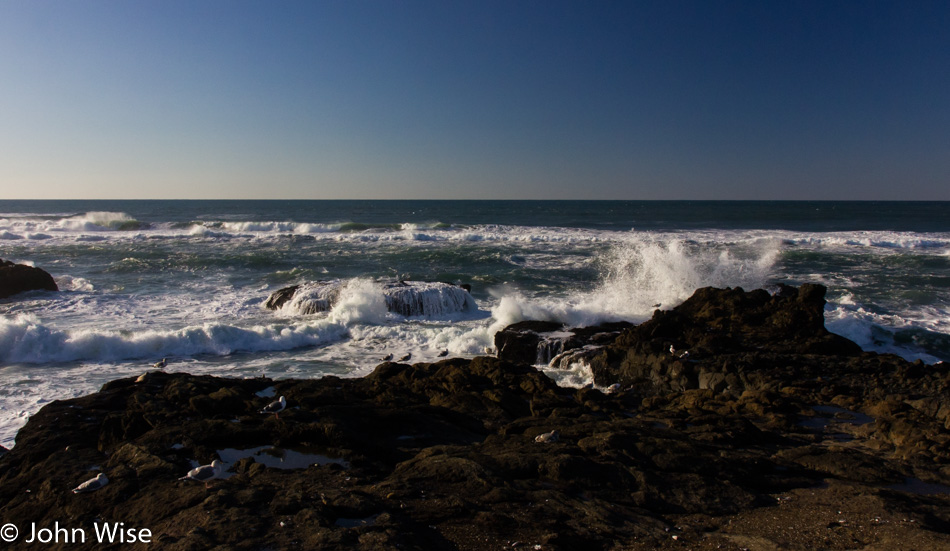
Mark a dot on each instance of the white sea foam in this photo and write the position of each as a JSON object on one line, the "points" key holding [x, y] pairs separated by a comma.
{"points": [[13, 226], [24, 339], [577, 375], [870, 240], [875, 331], [98, 223], [70, 283]]}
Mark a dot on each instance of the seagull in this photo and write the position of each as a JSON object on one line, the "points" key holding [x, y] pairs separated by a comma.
{"points": [[613, 389], [444, 353], [388, 357], [205, 473], [406, 357], [275, 407], [548, 437], [92, 484], [161, 364], [672, 350]]}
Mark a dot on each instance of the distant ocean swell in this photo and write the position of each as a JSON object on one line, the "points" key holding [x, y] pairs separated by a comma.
{"points": [[118, 226]]}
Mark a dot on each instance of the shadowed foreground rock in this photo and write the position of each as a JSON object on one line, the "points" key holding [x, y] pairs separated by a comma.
{"points": [[808, 444]]}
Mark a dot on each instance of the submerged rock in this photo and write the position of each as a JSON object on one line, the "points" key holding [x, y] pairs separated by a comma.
{"points": [[408, 298], [20, 278]]}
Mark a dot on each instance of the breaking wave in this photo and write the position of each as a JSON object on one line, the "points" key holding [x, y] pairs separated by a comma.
{"points": [[24, 339], [36, 227]]}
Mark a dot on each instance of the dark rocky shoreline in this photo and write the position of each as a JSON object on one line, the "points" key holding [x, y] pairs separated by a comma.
{"points": [[770, 434]]}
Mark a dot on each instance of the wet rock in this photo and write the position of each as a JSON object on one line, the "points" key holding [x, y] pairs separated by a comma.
{"points": [[20, 278], [278, 298], [408, 298], [549, 342], [520, 342]]}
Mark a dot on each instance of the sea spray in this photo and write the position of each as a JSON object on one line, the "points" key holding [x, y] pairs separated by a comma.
{"points": [[652, 272], [360, 300], [645, 273], [100, 220]]}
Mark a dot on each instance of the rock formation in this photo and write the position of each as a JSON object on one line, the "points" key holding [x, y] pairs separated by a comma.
{"points": [[806, 443], [540, 342], [19, 278], [408, 298]]}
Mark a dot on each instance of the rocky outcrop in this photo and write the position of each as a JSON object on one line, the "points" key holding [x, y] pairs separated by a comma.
{"points": [[19, 278], [408, 298], [726, 340], [447, 455]]}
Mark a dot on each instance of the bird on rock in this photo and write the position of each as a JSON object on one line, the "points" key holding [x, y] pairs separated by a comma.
{"points": [[275, 407], [92, 484], [548, 437], [205, 473]]}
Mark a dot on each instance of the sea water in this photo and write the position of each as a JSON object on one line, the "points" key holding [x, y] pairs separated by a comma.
{"points": [[187, 280]]}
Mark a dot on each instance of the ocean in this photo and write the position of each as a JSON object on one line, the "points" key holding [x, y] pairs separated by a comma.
{"points": [[187, 280]]}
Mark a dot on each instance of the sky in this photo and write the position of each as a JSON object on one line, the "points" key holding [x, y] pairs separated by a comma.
{"points": [[515, 99]]}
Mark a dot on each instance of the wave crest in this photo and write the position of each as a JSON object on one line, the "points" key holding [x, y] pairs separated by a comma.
{"points": [[24, 339]]}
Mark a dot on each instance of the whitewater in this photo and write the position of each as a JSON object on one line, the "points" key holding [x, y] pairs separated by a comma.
{"points": [[188, 281]]}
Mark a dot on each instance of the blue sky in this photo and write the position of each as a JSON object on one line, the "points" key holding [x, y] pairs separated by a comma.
{"points": [[475, 100]]}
